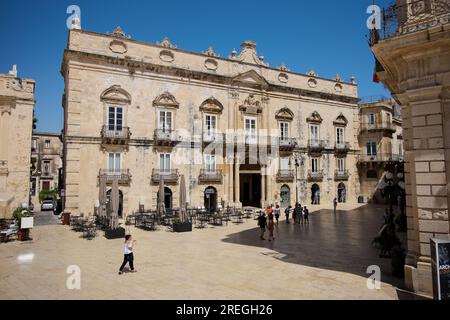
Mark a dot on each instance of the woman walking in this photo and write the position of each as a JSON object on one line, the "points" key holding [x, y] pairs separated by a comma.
{"points": [[277, 213], [270, 226], [262, 221], [287, 211], [128, 254]]}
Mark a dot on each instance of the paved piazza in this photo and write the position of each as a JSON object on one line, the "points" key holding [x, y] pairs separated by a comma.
{"points": [[324, 260]]}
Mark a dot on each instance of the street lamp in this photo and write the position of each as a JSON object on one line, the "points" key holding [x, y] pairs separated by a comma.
{"points": [[297, 164]]}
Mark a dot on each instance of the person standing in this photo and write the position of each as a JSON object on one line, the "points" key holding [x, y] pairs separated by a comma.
{"points": [[298, 213], [277, 213], [270, 226], [335, 203], [306, 215], [262, 221], [128, 254], [287, 211]]}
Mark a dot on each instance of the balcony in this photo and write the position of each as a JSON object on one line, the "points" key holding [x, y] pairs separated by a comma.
{"points": [[287, 144], [168, 176], [411, 16], [315, 176], [380, 157], [342, 147], [115, 136], [207, 176], [285, 176], [341, 175], [123, 175], [212, 138], [164, 137], [316, 146], [379, 126], [51, 151]]}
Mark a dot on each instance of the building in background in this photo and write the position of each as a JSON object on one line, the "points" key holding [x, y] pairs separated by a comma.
{"points": [[46, 160], [144, 112], [16, 124], [413, 60], [381, 143]]}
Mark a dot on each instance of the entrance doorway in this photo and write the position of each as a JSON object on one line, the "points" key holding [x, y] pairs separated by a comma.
{"points": [[285, 196], [342, 194], [210, 199], [315, 194], [108, 199], [250, 189], [167, 198]]}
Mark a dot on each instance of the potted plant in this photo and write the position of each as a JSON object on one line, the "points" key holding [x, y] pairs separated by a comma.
{"points": [[19, 213], [180, 226]]}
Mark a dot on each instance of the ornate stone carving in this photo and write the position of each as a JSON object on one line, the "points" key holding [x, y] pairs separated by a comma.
{"points": [[312, 83], [166, 43], [116, 94], [118, 33], [338, 87], [338, 78], [251, 105], [166, 100], [167, 56], [283, 67], [251, 77], [284, 114], [6, 109], [341, 120], [248, 54], [211, 105], [211, 64], [283, 77], [20, 85], [210, 52], [314, 118], [118, 46], [312, 73]]}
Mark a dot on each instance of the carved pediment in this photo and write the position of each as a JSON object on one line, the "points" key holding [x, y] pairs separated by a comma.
{"points": [[340, 120], [211, 105], [166, 43], [251, 78], [315, 118], [166, 100], [248, 54], [251, 105], [284, 114], [115, 94]]}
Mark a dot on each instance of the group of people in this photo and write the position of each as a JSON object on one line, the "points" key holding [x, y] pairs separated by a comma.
{"points": [[268, 218]]}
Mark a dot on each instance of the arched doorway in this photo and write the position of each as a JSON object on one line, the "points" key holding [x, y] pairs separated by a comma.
{"points": [[285, 196], [315, 194], [210, 199], [108, 199], [342, 193], [167, 198]]}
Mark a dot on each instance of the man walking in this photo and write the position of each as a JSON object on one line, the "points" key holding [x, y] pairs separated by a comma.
{"points": [[335, 204], [262, 222]]}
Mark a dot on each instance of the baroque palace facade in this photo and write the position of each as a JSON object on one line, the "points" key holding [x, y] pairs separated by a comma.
{"points": [[241, 132]]}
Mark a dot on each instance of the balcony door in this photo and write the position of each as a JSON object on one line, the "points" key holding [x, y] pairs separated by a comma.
{"points": [[341, 165], [115, 118], [164, 163], [165, 121], [284, 164], [114, 162], [250, 129], [210, 125], [339, 136], [284, 131], [210, 163], [314, 133]]}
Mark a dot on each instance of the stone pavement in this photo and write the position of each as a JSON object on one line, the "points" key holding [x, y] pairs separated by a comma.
{"points": [[325, 260]]}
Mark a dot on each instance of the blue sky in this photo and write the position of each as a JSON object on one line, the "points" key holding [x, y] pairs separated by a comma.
{"points": [[325, 35]]}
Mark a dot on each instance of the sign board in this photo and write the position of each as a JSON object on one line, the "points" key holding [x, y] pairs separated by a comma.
{"points": [[440, 268], [27, 223], [63, 192]]}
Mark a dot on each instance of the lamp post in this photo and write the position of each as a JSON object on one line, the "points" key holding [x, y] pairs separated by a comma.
{"points": [[297, 164]]}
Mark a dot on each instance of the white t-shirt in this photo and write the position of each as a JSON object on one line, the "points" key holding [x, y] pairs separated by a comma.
{"points": [[128, 250]]}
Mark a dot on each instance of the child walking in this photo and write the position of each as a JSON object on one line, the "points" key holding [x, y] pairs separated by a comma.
{"points": [[128, 254]]}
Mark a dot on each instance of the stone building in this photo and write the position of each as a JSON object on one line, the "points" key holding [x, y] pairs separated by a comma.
{"points": [[413, 51], [16, 124], [381, 143], [240, 131], [46, 160]]}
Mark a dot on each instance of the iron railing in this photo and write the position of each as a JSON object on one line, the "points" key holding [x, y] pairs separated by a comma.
{"points": [[116, 133], [341, 175], [408, 16], [210, 176], [315, 175], [109, 175], [380, 157], [169, 176], [377, 126], [285, 175]]}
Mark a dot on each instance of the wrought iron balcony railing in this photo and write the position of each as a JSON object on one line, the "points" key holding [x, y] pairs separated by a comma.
{"points": [[378, 126], [168, 176], [408, 16], [380, 157], [167, 137], [122, 175], [342, 146], [285, 175], [212, 137], [316, 145], [210, 176], [287, 144], [315, 175], [341, 175]]}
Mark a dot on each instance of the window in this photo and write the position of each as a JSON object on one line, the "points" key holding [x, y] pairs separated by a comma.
{"points": [[210, 124], [47, 143], [339, 136], [164, 163], [46, 167], [34, 144], [284, 163], [114, 159], [165, 121], [45, 185], [115, 118], [371, 148], [371, 119], [210, 163], [314, 133], [250, 129], [284, 131], [314, 165], [341, 165]]}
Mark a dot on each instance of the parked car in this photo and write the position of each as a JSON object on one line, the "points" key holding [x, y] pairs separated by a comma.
{"points": [[48, 205]]}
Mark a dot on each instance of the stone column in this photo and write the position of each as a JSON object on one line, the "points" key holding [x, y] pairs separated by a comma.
{"points": [[263, 186], [236, 180]]}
